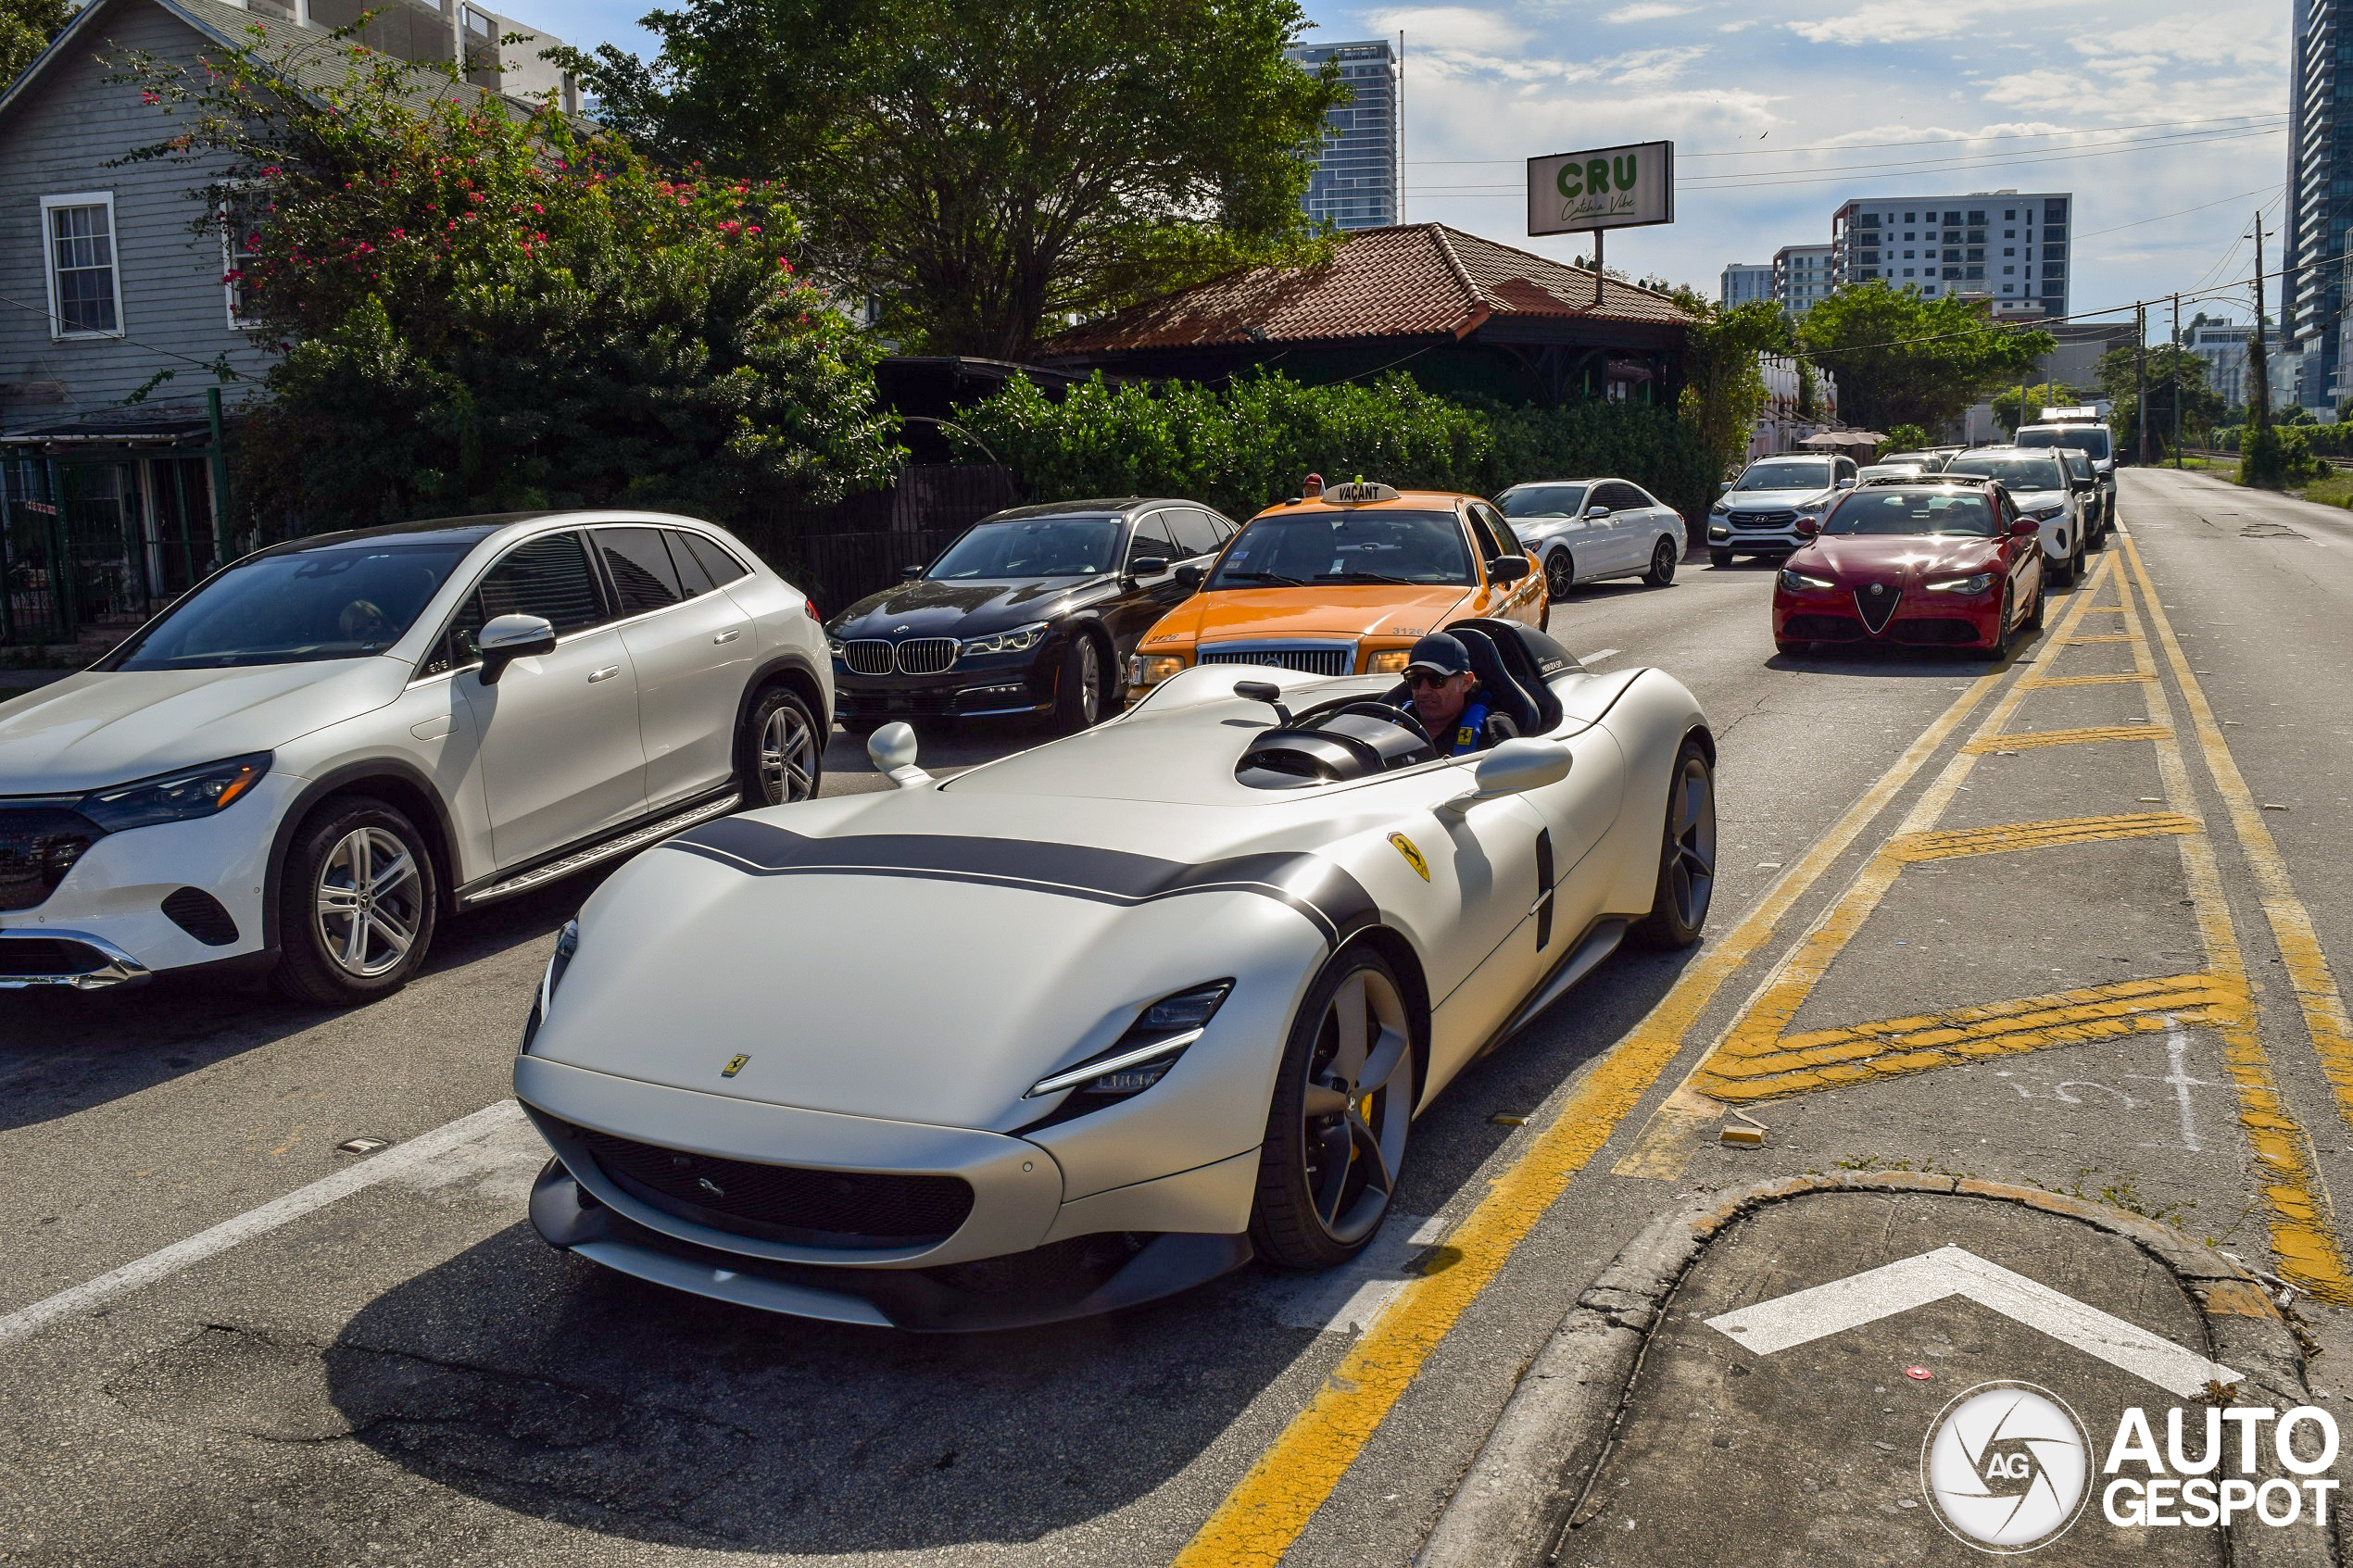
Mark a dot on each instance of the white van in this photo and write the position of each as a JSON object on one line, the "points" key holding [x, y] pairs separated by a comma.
{"points": [[2092, 437]]}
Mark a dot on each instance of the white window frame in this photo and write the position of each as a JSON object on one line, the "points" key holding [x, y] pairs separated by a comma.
{"points": [[58, 332], [229, 263]]}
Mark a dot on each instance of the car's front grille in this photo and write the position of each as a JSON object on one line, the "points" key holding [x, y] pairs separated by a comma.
{"points": [[1763, 520], [1821, 628], [43, 957], [1309, 659], [867, 655], [853, 1208], [38, 846], [1876, 604], [926, 656], [1937, 631]]}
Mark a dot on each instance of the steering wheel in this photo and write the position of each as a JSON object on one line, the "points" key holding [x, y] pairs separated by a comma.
{"points": [[1404, 718]]}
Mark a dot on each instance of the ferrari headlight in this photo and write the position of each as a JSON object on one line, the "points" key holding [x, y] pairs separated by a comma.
{"points": [[567, 944], [1795, 580], [1142, 1056], [1021, 639], [1976, 584], [1150, 670], [1389, 661], [174, 797]]}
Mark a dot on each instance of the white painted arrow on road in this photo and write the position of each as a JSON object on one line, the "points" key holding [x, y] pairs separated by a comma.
{"points": [[1882, 1292]]}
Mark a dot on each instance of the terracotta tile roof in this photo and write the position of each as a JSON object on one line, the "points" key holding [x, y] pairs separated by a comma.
{"points": [[1414, 280]]}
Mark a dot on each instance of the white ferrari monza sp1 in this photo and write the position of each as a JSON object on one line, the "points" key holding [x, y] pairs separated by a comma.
{"points": [[1103, 1020]]}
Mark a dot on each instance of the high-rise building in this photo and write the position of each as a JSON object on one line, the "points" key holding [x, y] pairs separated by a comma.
{"points": [[2320, 200], [1356, 179], [1801, 277], [2007, 246], [1745, 280], [2223, 345]]}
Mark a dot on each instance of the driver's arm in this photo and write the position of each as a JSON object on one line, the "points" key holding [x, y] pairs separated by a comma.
{"points": [[1498, 728]]}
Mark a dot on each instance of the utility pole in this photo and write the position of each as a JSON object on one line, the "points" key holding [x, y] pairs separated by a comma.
{"points": [[2174, 362], [2141, 382], [2258, 358]]}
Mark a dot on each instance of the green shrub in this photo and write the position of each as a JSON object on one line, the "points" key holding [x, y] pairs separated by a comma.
{"points": [[1246, 445]]}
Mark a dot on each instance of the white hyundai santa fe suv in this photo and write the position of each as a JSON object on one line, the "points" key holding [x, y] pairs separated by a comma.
{"points": [[320, 751]]}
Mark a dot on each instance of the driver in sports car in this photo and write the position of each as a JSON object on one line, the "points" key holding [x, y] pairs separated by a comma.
{"points": [[1447, 699]]}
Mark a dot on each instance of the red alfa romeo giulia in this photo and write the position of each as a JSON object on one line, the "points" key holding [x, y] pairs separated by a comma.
{"points": [[1934, 561]]}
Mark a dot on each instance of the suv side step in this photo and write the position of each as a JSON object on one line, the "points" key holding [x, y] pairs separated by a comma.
{"points": [[605, 850]]}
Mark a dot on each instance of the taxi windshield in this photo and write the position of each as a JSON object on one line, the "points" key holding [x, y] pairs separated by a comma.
{"points": [[1346, 546], [1914, 512]]}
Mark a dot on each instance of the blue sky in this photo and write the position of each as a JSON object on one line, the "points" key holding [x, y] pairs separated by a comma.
{"points": [[2087, 97]]}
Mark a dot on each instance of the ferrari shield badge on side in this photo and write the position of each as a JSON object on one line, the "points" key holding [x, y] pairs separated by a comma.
{"points": [[1413, 856], [735, 1065]]}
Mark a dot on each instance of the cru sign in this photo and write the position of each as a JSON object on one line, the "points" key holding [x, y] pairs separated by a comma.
{"points": [[1609, 188]]}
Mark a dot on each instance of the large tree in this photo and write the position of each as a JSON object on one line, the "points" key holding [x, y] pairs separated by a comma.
{"points": [[985, 170], [1723, 378], [1903, 359], [25, 27], [479, 308]]}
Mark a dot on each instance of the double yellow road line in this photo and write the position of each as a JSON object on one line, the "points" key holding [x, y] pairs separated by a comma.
{"points": [[1263, 1515]]}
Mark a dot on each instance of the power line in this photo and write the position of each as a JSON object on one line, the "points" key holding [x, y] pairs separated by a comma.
{"points": [[1891, 170], [1874, 146], [44, 311], [2137, 222]]}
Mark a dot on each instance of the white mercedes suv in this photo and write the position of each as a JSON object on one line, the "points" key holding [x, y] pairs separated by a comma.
{"points": [[320, 751]]}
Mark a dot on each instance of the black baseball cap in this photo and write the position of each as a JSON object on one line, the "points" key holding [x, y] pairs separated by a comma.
{"points": [[1442, 653]]}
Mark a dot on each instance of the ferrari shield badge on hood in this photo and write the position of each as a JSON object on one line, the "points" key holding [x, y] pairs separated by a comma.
{"points": [[1413, 856]]}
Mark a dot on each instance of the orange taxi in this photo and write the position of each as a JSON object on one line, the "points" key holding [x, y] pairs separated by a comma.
{"points": [[1342, 581]]}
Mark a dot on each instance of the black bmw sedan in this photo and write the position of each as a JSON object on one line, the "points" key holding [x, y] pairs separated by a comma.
{"points": [[1031, 610]]}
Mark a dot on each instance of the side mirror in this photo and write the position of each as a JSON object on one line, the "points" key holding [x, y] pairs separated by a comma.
{"points": [[1807, 527], [510, 637], [1845, 484], [1509, 569], [1513, 768], [909, 573], [1146, 566], [892, 750], [1604, 511], [1724, 488], [2024, 528], [1189, 578]]}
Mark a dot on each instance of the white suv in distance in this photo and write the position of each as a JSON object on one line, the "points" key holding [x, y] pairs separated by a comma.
{"points": [[320, 751], [1757, 514]]}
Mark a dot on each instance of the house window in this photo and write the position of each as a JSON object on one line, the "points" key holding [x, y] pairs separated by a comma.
{"points": [[240, 218], [480, 27], [86, 291]]}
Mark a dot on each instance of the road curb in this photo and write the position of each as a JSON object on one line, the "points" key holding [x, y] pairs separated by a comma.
{"points": [[1515, 1501]]}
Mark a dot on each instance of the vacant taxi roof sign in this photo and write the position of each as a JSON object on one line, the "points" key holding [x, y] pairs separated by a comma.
{"points": [[1358, 491]]}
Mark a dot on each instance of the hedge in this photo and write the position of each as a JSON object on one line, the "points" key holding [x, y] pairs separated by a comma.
{"points": [[1245, 445]]}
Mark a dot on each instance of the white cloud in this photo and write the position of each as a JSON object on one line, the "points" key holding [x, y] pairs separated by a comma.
{"points": [[1646, 11], [1452, 29]]}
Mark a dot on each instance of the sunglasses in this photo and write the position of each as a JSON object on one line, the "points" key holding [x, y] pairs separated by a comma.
{"points": [[1419, 678]]}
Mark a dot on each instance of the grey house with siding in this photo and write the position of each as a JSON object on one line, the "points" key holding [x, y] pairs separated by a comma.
{"points": [[107, 507]]}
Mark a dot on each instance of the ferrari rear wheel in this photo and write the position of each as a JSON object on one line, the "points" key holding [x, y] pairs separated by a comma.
{"points": [[1663, 558], [1336, 1130], [1686, 855]]}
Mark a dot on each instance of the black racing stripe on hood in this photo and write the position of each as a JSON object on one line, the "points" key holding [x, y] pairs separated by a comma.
{"points": [[1326, 894]]}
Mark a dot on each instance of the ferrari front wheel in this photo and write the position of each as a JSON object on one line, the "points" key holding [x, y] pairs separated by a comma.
{"points": [[1336, 1130], [1686, 855]]}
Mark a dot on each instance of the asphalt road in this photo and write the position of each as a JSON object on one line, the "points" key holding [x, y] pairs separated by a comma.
{"points": [[407, 1375]]}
